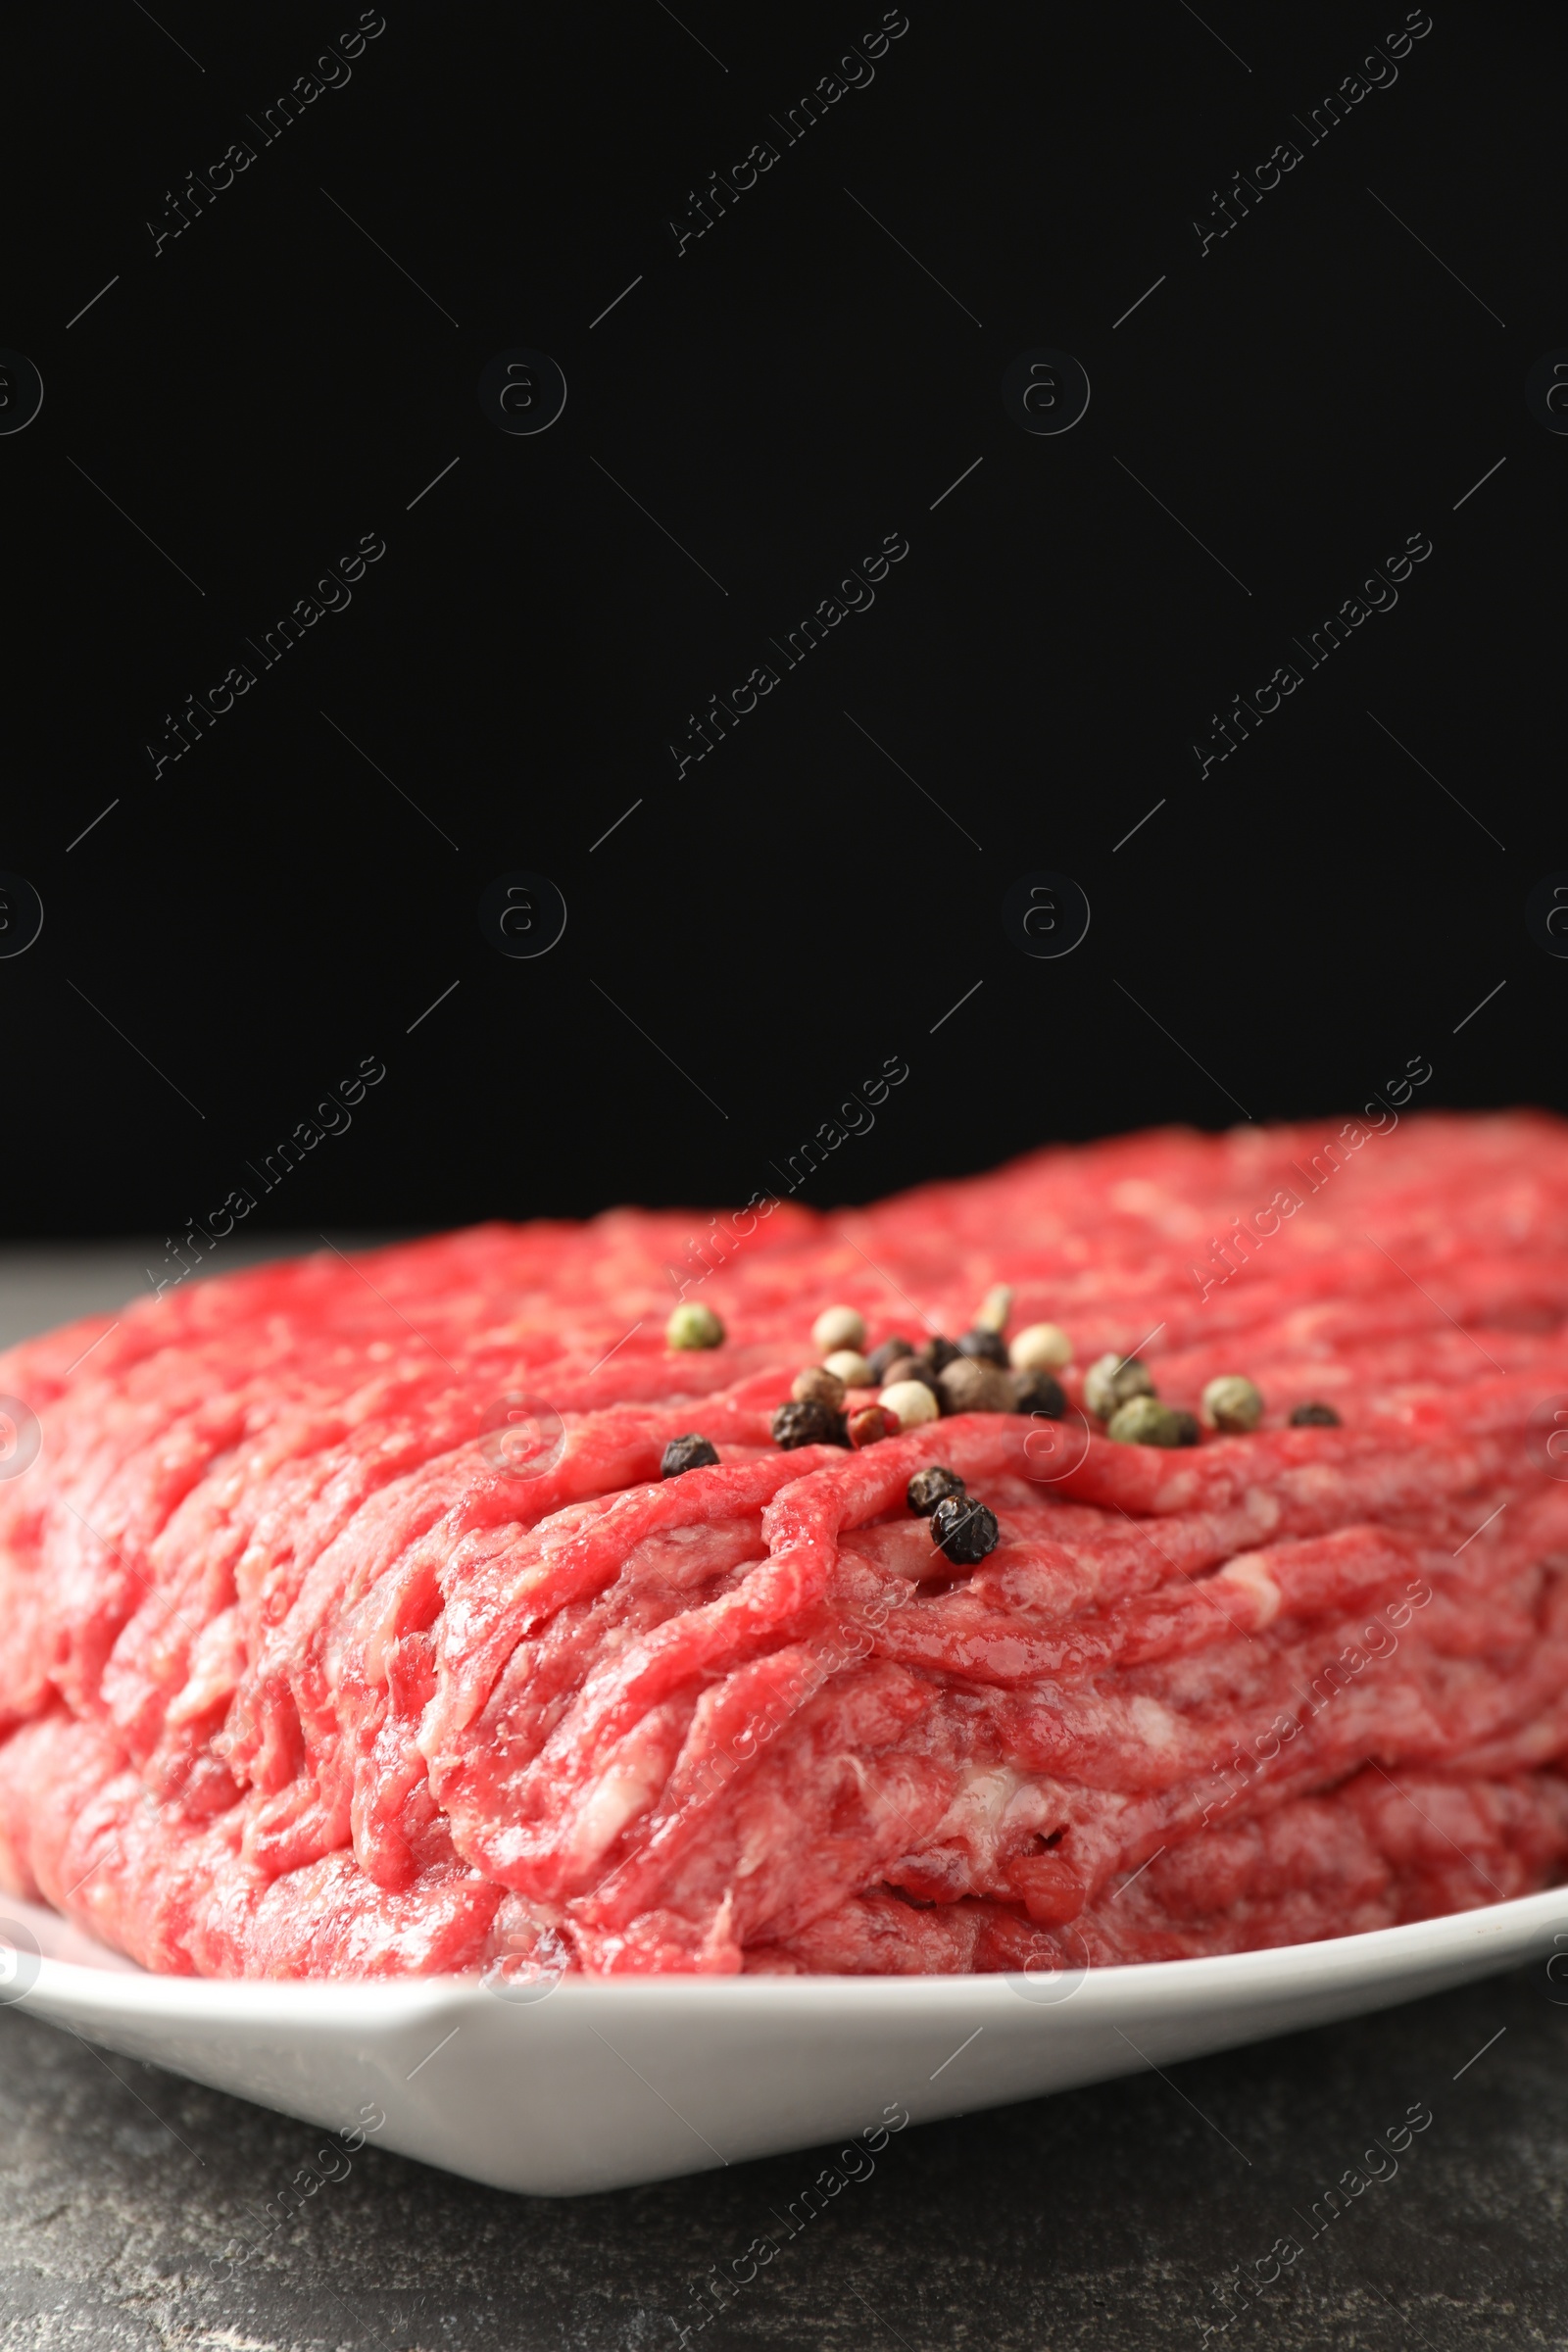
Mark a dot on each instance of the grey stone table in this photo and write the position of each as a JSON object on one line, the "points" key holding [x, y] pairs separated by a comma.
{"points": [[1109, 2218]]}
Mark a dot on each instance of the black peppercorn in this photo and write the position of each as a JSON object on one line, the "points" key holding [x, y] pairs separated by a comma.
{"points": [[910, 1367], [1315, 1416], [808, 1422], [927, 1488], [938, 1352], [964, 1529], [989, 1345], [1188, 1431], [1038, 1392], [969, 1385], [891, 1352], [690, 1452]]}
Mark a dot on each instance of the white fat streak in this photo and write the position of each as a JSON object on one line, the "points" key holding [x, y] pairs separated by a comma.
{"points": [[216, 1663], [1156, 1723], [620, 1795], [1249, 1570], [1262, 1508], [979, 1803]]}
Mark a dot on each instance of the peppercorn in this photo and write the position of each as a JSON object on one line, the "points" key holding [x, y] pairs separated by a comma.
{"points": [[1232, 1404], [690, 1452], [808, 1422], [1037, 1393], [970, 1386], [818, 1382], [694, 1326], [837, 1327], [1315, 1416], [911, 1400], [910, 1367], [931, 1485], [938, 1352], [892, 1352], [872, 1424], [964, 1529], [1144, 1421], [1111, 1381], [1043, 1347], [995, 1308], [987, 1346], [849, 1365]]}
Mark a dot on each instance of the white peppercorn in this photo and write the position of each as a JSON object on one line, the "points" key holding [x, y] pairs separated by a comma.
{"points": [[1043, 1347], [911, 1401], [837, 1327]]}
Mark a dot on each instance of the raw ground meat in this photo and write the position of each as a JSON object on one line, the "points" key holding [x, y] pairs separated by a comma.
{"points": [[312, 1668]]}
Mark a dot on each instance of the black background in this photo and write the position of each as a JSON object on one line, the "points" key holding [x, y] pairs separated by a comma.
{"points": [[1282, 935]]}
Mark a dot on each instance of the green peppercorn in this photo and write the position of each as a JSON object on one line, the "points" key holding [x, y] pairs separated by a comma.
{"points": [[690, 1452], [1232, 1404], [964, 1529], [931, 1485], [693, 1325], [808, 1422], [1315, 1416], [1144, 1421], [1112, 1381]]}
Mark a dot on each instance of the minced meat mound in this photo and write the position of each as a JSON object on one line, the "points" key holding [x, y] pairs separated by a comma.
{"points": [[348, 1626]]}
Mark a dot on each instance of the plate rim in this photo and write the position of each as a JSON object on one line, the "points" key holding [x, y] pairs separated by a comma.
{"points": [[1377, 1954]]}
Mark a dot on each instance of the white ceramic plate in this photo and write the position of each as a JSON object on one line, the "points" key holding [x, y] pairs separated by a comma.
{"points": [[574, 2086]]}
